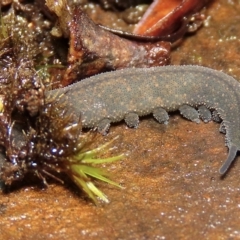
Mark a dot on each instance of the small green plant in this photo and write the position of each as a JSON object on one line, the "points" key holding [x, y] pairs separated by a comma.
{"points": [[81, 168]]}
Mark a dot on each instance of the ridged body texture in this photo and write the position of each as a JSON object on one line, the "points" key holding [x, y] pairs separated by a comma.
{"points": [[114, 95]]}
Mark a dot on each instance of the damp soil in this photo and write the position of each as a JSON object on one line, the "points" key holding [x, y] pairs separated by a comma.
{"points": [[172, 188]]}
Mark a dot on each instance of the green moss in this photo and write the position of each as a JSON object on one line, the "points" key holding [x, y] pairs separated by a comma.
{"points": [[81, 168]]}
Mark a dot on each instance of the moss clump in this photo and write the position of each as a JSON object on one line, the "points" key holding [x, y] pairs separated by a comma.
{"points": [[39, 135], [58, 145]]}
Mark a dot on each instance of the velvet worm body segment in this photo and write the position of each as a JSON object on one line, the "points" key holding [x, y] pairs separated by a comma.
{"points": [[129, 93]]}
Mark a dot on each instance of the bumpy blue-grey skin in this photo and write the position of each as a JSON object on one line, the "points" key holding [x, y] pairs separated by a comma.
{"points": [[110, 97]]}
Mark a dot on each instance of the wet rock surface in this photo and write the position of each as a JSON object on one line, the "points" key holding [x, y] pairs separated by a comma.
{"points": [[172, 188]]}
